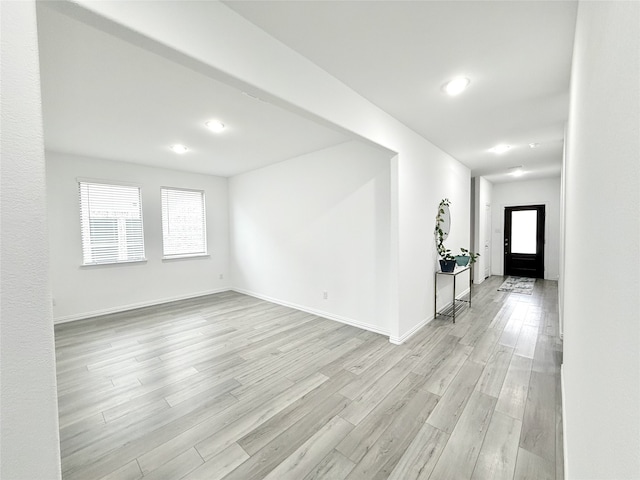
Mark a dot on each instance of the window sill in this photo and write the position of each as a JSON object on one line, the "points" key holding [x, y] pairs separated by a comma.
{"points": [[184, 257], [112, 264]]}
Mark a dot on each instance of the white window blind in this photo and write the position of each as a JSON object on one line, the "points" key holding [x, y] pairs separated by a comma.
{"points": [[111, 223], [184, 229]]}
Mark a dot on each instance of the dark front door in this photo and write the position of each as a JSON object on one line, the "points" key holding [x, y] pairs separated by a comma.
{"points": [[524, 241]]}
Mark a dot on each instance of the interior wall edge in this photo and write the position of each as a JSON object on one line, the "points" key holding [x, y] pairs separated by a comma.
{"points": [[30, 436]]}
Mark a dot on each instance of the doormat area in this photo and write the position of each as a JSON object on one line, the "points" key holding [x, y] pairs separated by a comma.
{"points": [[518, 285]]}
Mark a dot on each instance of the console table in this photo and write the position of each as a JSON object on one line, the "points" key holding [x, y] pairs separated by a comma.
{"points": [[454, 274]]}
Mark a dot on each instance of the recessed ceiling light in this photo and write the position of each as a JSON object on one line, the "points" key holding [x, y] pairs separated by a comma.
{"points": [[534, 145], [500, 148], [215, 125], [177, 148], [516, 171], [457, 85], [252, 96]]}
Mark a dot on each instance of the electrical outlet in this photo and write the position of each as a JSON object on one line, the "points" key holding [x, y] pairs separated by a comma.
{"points": [[53, 302], [325, 295], [222, 276]]}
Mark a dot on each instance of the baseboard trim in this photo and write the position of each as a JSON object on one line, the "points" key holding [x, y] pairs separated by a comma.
{"points": [[313, 311], [460, 296], [564, 425], [134, 306], [403, 338], [465, 293]]}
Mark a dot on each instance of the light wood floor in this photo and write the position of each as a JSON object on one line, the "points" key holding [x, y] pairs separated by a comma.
{"points": [[235, 388]]}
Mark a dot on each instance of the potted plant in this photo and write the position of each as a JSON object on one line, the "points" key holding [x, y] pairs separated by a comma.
{"points": [[466, 257], [447, 261]]}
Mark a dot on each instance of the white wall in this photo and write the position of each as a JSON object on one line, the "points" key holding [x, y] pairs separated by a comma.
{"points": [[216, 41], [426, 175], [601, 371], [313, 224], [29, 441], [457, 189], [545, 192], [85, 291], [562, 240], [483, 198]]}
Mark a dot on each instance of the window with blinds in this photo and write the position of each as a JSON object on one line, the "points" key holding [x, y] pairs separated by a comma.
{"points": [[184, 229], [111, 223]]}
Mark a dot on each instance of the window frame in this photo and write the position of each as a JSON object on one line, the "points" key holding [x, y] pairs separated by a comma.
{"points": [[205, 239], [114, 183]]}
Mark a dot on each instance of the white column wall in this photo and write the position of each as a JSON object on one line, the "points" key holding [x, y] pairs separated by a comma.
{"points": [[601, 371], [29, 441]]}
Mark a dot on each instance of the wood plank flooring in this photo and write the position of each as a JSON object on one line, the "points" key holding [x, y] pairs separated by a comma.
{"points": [[231, 387]]}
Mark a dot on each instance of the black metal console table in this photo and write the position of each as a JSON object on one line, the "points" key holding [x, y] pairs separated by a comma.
{"points": [[454, 274]]}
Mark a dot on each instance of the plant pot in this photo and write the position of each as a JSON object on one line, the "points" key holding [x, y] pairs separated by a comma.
{"points": [[463, 260], [447, 266]]}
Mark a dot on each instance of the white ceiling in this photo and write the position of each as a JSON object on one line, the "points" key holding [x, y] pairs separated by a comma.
{"points": [[399, 54], [104, 97]]}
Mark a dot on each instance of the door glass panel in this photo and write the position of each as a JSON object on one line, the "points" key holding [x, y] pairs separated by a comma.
{"points": [[523, 231]]}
